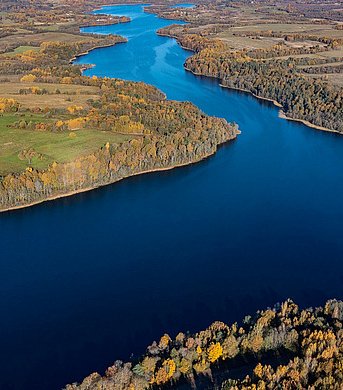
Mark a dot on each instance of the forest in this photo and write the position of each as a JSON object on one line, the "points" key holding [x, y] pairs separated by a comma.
{"points": [[281, 347], [270, 73], [163, 134], [270, 49], [144, 131], [46, 99], [300, 97]]}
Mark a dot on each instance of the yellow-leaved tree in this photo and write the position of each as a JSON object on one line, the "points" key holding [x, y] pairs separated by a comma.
{"points": [[28, 78], [214, 352]]}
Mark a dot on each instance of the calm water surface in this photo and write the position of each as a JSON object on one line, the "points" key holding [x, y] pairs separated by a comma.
{"points": [[183, 5], [98, 276]]}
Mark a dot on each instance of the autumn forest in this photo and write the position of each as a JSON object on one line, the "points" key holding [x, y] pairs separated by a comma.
{"points": [[65, 130]]}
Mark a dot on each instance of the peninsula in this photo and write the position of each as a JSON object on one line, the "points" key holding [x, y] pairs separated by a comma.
{"points": [[289, 53], [64, 133], [98, 279], [55, 121]]}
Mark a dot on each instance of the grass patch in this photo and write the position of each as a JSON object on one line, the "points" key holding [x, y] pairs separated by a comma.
{"points": [[59, 147], [22, 49]]}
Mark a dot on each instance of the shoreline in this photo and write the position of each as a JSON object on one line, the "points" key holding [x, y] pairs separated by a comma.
{"points": [[282, 114], [125, 40], [103, 24], [87, 189], [73, 59], [100, 7], [179, 43], [307, 123]]}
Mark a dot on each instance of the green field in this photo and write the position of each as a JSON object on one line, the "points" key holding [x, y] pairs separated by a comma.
{"points": [[22, 49], [59, 147]]}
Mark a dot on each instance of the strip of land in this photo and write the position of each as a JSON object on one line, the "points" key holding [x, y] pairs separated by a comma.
{"points": [[283, 347], [63, 133], [281, 53]]}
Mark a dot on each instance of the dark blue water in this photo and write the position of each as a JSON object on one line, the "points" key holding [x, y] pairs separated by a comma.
{"points": [[95, 277]]}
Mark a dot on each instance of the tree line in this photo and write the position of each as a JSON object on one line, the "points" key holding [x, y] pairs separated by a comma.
{"points": [[262, 73], [164, 134], [309, 340], [301, 98]]}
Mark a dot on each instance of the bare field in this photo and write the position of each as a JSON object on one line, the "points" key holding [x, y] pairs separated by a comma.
{"points": [[305, 28], [324, 54], [332, 64], [332, 53], [244, 41], [70, 94], [238, 42]]}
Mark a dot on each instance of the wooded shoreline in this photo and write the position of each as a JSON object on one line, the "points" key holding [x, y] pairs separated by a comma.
{"points": [[82, 190], [282, 114], [59, 194], [304, 344]]}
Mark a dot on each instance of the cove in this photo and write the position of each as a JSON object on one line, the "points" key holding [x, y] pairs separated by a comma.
{"points": [[92, 278]]}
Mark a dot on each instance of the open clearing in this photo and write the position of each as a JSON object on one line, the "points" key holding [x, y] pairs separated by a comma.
{"points": [[69, 94], [305, 28], [238, 37], [237, 42], [59, 147], [22, 49], [19, 40]]}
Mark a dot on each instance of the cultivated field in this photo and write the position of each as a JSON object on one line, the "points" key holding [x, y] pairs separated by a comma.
{"points": [[67, 94]]}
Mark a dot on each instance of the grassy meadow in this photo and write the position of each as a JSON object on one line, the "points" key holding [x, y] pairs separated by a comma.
{"points": [[59, 146]]}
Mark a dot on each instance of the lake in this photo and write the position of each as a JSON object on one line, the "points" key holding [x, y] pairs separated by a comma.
{"points": [[97, 277]]}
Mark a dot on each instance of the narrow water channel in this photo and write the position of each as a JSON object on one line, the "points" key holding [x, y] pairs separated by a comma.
{"points": [[92, 278]]}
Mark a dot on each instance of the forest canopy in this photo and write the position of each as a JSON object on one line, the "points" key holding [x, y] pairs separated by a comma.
{"points": [[281, 347]]}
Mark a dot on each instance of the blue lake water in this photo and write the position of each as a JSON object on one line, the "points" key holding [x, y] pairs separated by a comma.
{"points": [[183, 5], [92, 278]]}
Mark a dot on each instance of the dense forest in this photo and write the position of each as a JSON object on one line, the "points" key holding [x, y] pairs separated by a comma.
{"points": [[269, 73], [304, 349], [300, 97]]}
